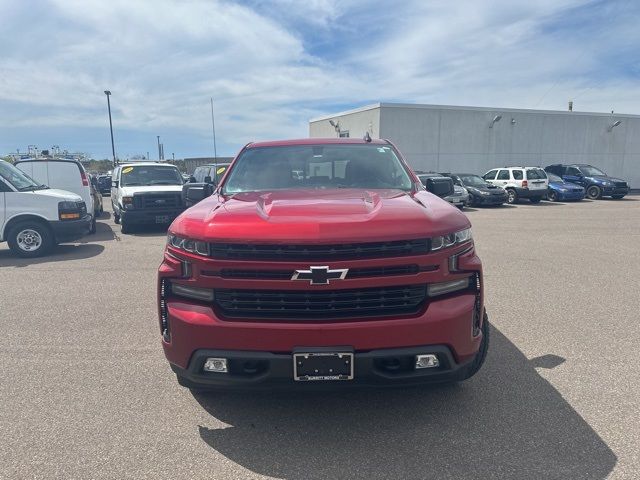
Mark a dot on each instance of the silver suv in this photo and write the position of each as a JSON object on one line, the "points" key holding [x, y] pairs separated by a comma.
{"points": [[520, 182]]}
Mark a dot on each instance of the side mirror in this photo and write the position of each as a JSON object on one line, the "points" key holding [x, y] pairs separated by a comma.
{"points": [[192, 193], [192, 179], [114, 183], [207, 179], [440, 186]]}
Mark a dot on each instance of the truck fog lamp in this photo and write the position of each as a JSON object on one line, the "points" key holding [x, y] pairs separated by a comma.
{"points": [[427, 361], [217, 365]]}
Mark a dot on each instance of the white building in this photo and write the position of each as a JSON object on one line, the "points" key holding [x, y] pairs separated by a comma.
{"points": [[475, 139]]}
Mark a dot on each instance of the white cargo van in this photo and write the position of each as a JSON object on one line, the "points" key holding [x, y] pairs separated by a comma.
{"points": [[34, 218], [64, 174]]}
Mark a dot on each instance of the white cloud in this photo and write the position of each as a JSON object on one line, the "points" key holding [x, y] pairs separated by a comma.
{"points": [[272, 65]]}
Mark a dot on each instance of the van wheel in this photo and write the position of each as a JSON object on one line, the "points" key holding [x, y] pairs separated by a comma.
{"points": [[512, 196], [30, 239], [93, 226], [594, 192], [116, 217], [477, 362], [535, 199]]}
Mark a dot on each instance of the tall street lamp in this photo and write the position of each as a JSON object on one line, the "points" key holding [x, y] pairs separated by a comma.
{"points": [[113, 147]]}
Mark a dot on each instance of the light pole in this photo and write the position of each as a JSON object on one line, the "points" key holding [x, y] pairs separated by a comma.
{"points": [[159, 157], [113, 147]]}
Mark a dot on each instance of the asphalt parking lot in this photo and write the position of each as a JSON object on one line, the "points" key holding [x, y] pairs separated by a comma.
{"points": [[86, 392]]}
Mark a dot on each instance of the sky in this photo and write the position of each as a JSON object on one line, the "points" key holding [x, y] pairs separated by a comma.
{"points": [[271, 65]]}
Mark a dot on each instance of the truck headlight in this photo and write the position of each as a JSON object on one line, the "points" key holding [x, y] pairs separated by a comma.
{"points": [[70, 210], [451, 239], [443, 288], [195, 293], [188, 245]]}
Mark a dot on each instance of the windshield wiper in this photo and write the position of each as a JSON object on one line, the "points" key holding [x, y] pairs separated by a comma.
{"points": [[30, 188]]}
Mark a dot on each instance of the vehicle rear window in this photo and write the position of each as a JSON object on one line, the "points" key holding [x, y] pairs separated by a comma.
{"points": [[536, 174], [517, 174]]}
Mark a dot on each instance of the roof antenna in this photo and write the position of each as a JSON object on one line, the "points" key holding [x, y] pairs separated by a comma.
{"points": [[367, 137]]}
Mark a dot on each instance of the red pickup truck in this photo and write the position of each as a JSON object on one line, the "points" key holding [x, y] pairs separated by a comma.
{"points": [[321, 262]]}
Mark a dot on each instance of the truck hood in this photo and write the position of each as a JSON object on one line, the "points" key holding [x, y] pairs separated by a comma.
{"points": [[129, 191], [61, 195], [336, 216]]}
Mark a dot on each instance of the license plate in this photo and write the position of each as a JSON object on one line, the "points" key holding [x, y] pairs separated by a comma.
{"points": [[162, 218], [322, 366]]}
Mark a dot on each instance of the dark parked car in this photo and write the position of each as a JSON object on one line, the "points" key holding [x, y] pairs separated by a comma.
{"points": [[559, 190], [480, 191], [213, 171], [596, 183], [104, 184], [459, 197]]}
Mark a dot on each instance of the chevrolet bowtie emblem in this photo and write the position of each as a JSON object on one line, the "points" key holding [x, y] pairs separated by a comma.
{"points": [[320, 275]]}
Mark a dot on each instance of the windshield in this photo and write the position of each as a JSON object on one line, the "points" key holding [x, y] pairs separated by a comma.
{"points": [[317, 167], [145, 175], [555, 178], [17, 178], [473, 181], [590, 171]]}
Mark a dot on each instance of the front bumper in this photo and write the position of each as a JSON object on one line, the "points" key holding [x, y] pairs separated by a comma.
{"points": [[610, 191], [489, 199], [563, 196], [196, 327], [149, 217], [374, 368], [69, 230], [458, 200]]}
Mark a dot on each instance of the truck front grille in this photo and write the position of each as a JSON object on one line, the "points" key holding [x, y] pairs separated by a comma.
{"points": [[156, 200], [239, 251], [247, 274], [321, 304]]}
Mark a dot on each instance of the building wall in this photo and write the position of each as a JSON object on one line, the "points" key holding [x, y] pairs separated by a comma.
{"points": [[442, 138], [356, 123]]}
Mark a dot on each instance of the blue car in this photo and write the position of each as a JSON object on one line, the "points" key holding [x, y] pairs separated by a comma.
{"points": [[560, 190], [597, 184]]}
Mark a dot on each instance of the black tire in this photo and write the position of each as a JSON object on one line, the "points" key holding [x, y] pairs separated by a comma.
{"points": [[92, 231], [116, 217], [552, 196], [481, 356], [512, 196], [594, 192], [125, 227], [617, 197], [535, 199], [30, 239]]}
